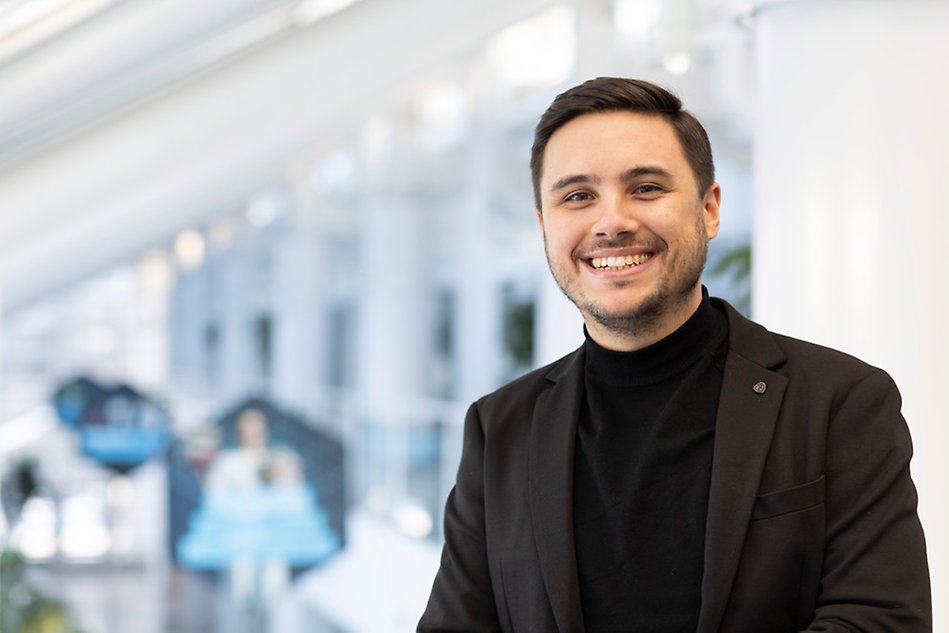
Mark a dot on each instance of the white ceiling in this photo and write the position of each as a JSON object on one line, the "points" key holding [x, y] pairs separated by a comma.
{"points": [[147, 116], [124, 121]]}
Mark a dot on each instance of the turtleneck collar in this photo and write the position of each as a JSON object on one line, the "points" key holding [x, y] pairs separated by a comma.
{"points": [[663, 359]]}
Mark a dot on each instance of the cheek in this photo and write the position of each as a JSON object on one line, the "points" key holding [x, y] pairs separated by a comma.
{"points": [[560, 245], [563, 229], [683, 226]]}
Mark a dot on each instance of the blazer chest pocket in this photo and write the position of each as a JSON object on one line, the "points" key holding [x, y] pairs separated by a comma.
{"points": [[789, 500]]}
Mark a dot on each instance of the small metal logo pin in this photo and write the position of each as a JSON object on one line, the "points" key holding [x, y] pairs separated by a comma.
{"points": [[760, 387]]}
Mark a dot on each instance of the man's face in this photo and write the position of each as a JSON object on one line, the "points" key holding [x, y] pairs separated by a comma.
{"points": [[625, 228]]}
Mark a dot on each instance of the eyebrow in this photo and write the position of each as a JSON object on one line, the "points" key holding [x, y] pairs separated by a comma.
{"points": [[646, 170], [626, 176], [566, 181]]}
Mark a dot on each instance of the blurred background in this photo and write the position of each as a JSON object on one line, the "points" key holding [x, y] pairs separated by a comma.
{"points": [[258, 256]]}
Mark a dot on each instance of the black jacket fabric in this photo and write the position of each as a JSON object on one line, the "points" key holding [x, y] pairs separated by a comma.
{"points": [[811, 525]]}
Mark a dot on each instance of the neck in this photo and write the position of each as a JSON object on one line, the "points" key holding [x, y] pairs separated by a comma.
{"points": [[630, 340]]}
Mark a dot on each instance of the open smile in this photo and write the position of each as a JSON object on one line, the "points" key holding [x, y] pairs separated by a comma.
{"points": [[621, 262]]}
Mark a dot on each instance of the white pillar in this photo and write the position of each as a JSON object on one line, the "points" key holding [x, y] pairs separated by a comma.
{"points": [[188, 306], [237, 298], [596, 38], [395, 336], [559, 325], [478, 306], [395, 307], [852, 159], [3, 396], [300, 317]]}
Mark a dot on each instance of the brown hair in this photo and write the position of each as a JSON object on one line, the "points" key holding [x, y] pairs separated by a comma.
{"points": [[611, 94]]}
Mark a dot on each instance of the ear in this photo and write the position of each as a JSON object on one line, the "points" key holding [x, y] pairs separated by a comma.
{"points": [[710, 204], [540, 217]]}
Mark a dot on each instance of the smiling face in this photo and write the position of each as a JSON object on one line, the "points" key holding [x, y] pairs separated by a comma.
{"points": [[625, 228]]}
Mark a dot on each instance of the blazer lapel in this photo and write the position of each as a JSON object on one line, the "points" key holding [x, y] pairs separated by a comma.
{"points": [[552, 441], [748, 410]]}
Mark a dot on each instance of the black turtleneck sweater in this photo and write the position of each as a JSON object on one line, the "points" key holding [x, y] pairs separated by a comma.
{"points": [[643, 465]]}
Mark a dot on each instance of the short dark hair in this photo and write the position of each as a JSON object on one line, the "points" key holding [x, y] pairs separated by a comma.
{"points": [[612, 94]]}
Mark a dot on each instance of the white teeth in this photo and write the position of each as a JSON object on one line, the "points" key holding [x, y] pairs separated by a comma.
{"points": [[618, 263]]}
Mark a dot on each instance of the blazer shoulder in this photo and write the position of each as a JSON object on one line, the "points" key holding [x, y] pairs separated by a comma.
{"points": [[519, 395], [823, 361], [792, 356]]}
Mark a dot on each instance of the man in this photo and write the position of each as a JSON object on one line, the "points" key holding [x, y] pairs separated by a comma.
{"points": [[685, 469]]}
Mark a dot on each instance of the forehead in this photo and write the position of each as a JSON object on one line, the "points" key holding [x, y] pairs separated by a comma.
{"points": [[605, 142]]}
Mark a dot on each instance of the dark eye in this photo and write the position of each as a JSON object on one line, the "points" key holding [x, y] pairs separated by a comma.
{"points": [[578, 196], [647, 189]]}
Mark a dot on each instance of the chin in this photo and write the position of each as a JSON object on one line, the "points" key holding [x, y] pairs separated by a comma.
{"points": [[633, 315], [615, 315], [625, 307]]}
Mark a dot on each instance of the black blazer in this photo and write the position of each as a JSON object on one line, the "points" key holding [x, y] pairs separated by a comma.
{"points": [[811, 521]]}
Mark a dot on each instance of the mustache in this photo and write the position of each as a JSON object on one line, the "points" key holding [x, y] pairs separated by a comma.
{"points": [[643, 243]]}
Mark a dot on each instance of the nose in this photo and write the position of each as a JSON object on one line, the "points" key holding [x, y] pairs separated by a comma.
{"points": [[615, 218]]}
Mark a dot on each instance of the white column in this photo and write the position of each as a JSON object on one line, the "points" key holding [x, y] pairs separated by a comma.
{"points": [[559, 325], [238, 375], [300, 317], [478, 306], [3, 395], [188, 305], [596, 37], [395, 334], [852, 159], [394, 316]]}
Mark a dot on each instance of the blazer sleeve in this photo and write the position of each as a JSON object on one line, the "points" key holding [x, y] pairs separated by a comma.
{"points": [[875, 575], [462, 597]]}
